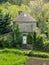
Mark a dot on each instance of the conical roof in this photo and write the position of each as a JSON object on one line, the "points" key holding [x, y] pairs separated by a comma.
{"points": [[25, 17]]}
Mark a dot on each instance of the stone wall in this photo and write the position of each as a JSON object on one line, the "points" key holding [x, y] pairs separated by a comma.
{"points": [[26, 27]]}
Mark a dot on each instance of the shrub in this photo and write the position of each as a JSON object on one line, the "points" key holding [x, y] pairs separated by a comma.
{"points": [[15, 51], [46, 46], [1, 42], [27, 53], [34, 40], [8, 42], [39, 54], [5, 41], [30, 38], [39, 42], [17, 36], [5, 23], [18, 46]]}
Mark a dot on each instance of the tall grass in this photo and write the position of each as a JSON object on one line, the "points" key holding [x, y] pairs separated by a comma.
{"points": [[12, 59]]}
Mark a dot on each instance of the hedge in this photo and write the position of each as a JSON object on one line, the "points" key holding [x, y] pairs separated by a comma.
{"points": [[26, 52]]}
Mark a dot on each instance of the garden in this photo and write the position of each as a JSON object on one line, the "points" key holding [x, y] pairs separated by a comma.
{"points": [[11, 50], [12, 59], [20, 57]]}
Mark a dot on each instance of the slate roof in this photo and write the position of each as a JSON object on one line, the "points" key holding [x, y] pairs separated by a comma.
{"points": [[25, 17]]}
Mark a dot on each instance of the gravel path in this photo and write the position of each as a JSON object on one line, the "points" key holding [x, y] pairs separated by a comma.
{"points": [[37, 61]]}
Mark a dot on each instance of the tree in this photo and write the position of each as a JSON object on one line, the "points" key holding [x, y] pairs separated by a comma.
{"points": [[30, 38], [41, 14], [17, 36], [34, 40], [5, 26], [7, 23], [46, 1], [19, 2], [1, 1], [1, 20]]}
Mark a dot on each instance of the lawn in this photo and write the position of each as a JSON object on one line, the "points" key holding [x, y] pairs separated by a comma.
{"points": [[19, 57], [12, 59], [25, 52]]}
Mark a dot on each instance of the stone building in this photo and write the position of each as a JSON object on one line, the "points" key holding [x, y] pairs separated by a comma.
{"points": [[26, 24]]}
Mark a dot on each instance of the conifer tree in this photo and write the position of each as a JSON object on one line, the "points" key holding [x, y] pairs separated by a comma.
{"points": [[5, 26]]}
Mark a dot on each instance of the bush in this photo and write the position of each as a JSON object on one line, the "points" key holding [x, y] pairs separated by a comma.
{"points": [[5, 41], [34, 40], [30, 38], [46, 46], [17, 36], [18, 46], [13, 40], [15, 51], [5, 23], [27, 53], [1, 42], [39, 54], [39, 42], [8, 42]]}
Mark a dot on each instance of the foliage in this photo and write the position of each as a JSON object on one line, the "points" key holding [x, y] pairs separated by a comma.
{"points": [[41, 43], [46, 46], [11, 58], [39, 10], [34, 39], [4, 23], [19, 2], [1, 1], [13, 9], [30, 38], [39, 54], [8, 41], [5, 41], [25, 52], [41, 13], [15, 51], [13, 39], [17, 36], [38, 41]]}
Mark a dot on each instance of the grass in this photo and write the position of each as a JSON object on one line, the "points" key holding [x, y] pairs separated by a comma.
{"points": [[12, 59], [18, 57], [25, 52], [16, 51]]}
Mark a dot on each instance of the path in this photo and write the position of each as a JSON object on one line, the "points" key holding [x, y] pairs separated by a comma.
{"points": [[37, 61]]}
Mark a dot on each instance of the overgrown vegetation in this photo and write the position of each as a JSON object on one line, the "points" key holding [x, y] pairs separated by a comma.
{"points": [[10, 37], [11, 58], [25, 52], [39, 54], [5, 21]]}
